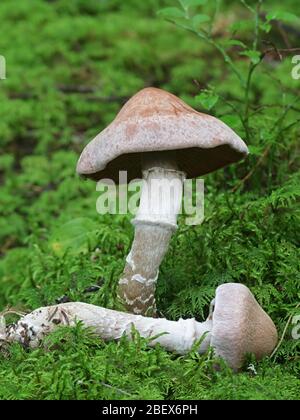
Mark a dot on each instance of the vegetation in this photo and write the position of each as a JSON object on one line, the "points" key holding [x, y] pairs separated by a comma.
{"points": [[70, 67]]}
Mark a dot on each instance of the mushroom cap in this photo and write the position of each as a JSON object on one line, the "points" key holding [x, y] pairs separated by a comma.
{"points": [[154, 120], [240, 326]]}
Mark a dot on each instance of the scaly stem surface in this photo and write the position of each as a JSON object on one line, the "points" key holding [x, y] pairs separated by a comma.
{"points": [[154, 224]]}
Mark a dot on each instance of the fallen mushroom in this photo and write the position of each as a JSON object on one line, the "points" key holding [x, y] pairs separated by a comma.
{"points": [[159, 137], [240, 326], [236, 326]]}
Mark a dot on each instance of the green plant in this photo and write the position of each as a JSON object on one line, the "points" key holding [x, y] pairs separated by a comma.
{"points": [[202, 25]]}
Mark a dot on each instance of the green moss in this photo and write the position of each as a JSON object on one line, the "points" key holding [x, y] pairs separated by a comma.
{"points": [[70, 66]]}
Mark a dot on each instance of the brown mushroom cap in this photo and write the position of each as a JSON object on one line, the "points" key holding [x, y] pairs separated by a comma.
{"points": [[240, 326], [154, 120]]}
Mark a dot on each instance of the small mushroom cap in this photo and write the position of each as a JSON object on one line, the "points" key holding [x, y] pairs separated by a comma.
{"points": [[154, 120], [240, 326]]}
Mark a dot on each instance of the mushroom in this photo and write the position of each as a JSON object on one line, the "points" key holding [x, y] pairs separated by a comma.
{"points": [[240, 326], [160, 138], [236, 326]]}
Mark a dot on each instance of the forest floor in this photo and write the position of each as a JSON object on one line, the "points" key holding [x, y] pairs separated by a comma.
{"points": [[69, 68]]}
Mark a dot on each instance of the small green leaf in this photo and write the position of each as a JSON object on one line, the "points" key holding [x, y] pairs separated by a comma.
{"points": [[232, 121], [271, 16], [191, 3], [207, 99], [183, 23], [289, 17], [255, 150], [171, 12], [281, 15], [75, 236], [235, 42], [198, 20], [265, 27], [255, 56], [241, 25]]}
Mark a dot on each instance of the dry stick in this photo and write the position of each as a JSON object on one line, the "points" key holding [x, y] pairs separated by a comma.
{"points": [[274, 48], [249, 174], [266, 151], [116, 389], [279, 51], [283, 34], [284, 332], [3, 314], [12, 312]]}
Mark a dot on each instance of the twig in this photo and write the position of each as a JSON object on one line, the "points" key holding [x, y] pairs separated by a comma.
{"points": [[268, 106], [121, 391], [252, 66], [12, 312], [279, 50], [284, 332], [291, 125], [266, 151], [274, 46], [286, 27], [283, 34], [249, 174]]}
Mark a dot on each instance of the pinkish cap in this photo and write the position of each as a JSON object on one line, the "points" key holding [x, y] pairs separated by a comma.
{"points": [[154, 120], [240, 326]]}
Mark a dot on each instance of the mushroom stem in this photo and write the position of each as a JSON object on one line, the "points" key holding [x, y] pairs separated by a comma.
{"points": [[237, 325], [154, 224], [178, 336]]}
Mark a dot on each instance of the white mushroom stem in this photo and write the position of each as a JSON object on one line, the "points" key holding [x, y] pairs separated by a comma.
{"points": [[177, 336], [156, 220]]}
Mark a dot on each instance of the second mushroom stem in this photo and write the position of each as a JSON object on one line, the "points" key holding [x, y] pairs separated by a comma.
{"points": [[155, 222], [178, 336]]}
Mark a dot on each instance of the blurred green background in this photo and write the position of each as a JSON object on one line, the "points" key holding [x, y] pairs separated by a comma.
{"points": [[70, 66]]}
